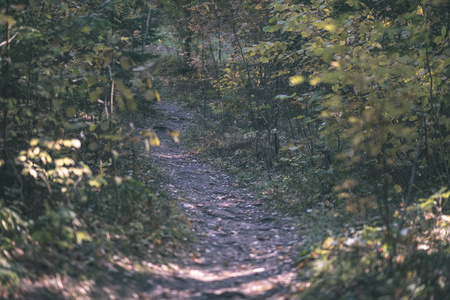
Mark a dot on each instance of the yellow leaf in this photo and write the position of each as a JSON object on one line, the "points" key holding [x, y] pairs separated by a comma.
{"points": [[328, 243], [67, 143], [420, 10], [335, 64], [315, 81], [33, 173], [158, 96], [353, 120], [175, 135], [34, 142], [398, 189], [154, 140], [94, 183], [36, 151], [296, 80], [6, 19], [82, 236], [330, 27], [76, 143]]}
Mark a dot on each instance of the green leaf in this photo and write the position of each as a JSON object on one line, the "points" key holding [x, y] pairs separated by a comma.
{"points": [[125, 62], [282, 97], [149, 95], [437, 40], [131, 104], [318, 107]]}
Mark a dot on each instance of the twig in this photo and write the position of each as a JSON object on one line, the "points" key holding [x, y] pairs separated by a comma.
{"points": [[8, 41], [408, 195], [112, 91]]}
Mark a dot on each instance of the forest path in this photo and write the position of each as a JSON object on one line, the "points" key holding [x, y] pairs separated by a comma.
{"points": [[241, 251]]}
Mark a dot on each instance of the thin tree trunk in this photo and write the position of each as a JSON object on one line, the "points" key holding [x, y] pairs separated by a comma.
{"points": [[250, 89], [147, 26]]}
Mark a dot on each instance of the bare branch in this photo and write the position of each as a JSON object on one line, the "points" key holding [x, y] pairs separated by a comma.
{"points": [[8, 41]]}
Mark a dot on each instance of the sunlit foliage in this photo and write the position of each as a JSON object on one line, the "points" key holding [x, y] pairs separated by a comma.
{"points": [[347, 104], [70, 72]]}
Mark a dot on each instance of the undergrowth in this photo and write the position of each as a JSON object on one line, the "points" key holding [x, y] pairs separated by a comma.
{"points": [[354, 246], [126, 217]]}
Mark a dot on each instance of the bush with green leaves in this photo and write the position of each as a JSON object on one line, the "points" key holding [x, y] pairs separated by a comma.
{"points": [[69, 74], [347, 103]]}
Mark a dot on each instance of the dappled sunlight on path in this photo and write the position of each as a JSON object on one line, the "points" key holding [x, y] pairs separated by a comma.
{"points": [[241, 251]]}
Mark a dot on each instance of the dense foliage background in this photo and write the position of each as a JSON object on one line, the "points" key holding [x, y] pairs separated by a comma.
{"points": [[344, 106], [72, 75]]}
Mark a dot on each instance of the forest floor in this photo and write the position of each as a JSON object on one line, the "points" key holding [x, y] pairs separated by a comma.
{"points": [[241, 250]]}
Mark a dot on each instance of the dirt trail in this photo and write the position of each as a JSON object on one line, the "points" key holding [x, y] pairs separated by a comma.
{"points": [[241, 251]]}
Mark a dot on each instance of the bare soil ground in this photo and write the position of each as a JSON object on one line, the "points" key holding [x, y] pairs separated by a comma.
{"points": [[241, 251]]}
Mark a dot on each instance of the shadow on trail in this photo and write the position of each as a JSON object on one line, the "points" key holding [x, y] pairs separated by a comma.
{"points": [[241, 251]]}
